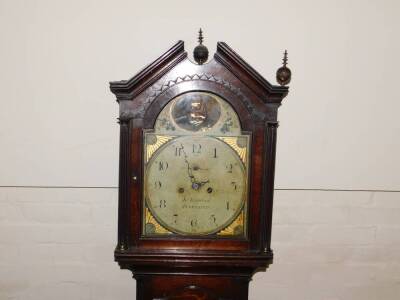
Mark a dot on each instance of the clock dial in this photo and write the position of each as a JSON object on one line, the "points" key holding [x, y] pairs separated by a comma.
{"points": [[195, 185]]}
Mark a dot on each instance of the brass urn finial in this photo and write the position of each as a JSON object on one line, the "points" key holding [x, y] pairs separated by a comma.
{"points": [[283, 74], [200, 52]]}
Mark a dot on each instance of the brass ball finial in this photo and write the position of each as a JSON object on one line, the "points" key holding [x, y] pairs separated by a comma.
{"points": [[283, 74], [200, 52]]}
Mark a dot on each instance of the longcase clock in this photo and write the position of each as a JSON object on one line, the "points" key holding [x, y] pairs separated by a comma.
{"points": [[196, 174]]}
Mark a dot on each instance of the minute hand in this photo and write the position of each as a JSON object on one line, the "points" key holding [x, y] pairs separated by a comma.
{"points": [[189, 169], [204, 182]]}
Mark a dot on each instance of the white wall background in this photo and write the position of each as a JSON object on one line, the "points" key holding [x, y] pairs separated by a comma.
{"points": [[337, 214]]}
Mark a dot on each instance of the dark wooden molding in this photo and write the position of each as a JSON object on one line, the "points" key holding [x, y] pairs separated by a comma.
{"points": [[239, 67], [128, 89], [192, 259]]}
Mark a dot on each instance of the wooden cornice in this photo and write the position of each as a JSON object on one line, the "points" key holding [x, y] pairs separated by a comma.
{"points": [[129, 89], [242, 70]]}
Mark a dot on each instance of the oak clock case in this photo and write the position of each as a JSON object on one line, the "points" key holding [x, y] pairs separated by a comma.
{"points": [[196, 174]]}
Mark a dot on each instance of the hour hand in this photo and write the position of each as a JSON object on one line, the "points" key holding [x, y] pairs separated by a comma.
{"points": [[204, 182], [197, 168]]}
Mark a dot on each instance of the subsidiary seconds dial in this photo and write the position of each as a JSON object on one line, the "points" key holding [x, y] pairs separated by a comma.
{"points": [[195, 185]]}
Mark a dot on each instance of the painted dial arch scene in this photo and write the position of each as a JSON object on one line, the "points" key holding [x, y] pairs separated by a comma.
{"points": [[196, 169]]}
